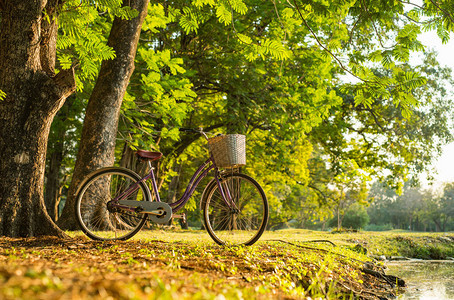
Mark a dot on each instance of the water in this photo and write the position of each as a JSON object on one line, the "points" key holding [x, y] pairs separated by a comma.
{"points": [[425, 279]]}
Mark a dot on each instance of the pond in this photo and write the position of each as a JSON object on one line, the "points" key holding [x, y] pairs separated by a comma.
{"points": [[425, 279]]}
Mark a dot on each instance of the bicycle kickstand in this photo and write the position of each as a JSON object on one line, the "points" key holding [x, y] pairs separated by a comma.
{"points": [[180, 216]]}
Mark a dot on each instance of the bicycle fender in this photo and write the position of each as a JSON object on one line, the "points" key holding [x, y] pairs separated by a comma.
{"points": [[105, 169]]}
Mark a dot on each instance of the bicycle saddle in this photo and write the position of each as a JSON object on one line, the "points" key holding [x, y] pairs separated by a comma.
{"points": [[148, 155]]}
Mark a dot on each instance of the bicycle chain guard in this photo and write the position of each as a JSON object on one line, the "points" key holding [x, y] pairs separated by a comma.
{"points": [[162, 219], [160, 212]]}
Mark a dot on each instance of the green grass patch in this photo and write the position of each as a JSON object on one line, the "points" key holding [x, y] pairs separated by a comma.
{"points": [[177, 264]]}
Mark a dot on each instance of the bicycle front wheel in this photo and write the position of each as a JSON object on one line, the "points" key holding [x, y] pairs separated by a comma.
{"points": [[97, 217], [243, 219]]}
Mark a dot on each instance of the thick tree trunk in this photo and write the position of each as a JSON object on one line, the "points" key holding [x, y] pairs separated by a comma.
{"points": [[34, 95], [99, 131]]}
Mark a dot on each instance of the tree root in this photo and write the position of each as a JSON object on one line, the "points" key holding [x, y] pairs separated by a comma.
{"points": [[392, 280]]}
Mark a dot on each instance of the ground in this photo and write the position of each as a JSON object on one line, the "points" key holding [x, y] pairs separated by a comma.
{"points": [[163, 264]]}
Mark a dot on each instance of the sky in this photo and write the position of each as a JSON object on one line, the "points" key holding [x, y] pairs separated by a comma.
{"points": [[445, 163]]}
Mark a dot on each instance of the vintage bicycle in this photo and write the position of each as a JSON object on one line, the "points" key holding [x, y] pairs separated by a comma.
{"points": [[114, 203]]}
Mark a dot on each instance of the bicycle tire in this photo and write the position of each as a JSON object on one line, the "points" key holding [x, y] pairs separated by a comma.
{"points": [[95, 219], [243, 224]]}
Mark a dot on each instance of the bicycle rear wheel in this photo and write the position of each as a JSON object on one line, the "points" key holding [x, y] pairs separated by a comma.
{"points": [[242, 222], [97, 218]]}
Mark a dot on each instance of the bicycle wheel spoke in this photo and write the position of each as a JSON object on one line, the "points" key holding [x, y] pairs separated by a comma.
{"points": [[99, 221], [241, 219]]}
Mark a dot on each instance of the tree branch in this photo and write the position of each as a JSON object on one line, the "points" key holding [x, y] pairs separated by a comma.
{"points": [[322, 46], [373, 23], [409, 3], [449, 15], [66, 82]]}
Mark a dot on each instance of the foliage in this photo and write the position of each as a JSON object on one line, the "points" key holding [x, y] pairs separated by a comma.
{"points": [[355, 217], [393, 147], [414, 209], [228, 94], [83, 27], [277, 71], [374, 227], [64, 134], [82, 38]]}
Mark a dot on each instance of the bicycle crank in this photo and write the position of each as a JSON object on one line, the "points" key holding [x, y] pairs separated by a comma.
{"points": [[160, 212]]}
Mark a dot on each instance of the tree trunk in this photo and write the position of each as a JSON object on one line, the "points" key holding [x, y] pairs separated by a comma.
{"points": [[174, 184], [52, 193], [437, 224], [34, 94], [56, 151], [97, 144], [443, 224], [339, 221], [130, 161]]}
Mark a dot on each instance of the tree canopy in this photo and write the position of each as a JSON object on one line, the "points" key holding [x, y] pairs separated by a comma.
{"points": [[324, 90], [317, 87]]}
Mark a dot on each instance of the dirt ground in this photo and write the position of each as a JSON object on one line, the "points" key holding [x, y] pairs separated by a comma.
{"points": [[78, 268]]}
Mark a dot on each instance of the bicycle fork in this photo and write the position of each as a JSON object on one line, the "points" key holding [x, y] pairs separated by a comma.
{"points": [[226, 193]]}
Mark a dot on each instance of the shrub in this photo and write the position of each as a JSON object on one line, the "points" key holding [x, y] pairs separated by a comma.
{"points": [[375, 227], [356, 217]]}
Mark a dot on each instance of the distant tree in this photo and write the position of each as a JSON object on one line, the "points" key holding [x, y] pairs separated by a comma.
{"points": [[356, 217], [447, 206], [380, 197], [349, 187], [59, 157], [415, 209], [439, 210]]}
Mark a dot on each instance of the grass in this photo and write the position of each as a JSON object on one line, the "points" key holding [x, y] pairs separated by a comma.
{"points": [[421, 245], [161, 264]]}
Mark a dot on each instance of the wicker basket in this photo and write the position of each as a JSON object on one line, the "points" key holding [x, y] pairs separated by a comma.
{"points": [[229, 150]]}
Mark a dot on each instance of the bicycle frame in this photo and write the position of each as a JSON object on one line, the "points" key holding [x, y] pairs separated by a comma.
{"points": [[196, 178]]}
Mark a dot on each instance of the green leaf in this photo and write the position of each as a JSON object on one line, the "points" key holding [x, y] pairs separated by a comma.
{"points": [[387, 59], [155, 19], [2, 95], [239, 6], [275, 48], [224, 14], [188, 20], [244, 38], [376, 56], [201, 3], [64, 42], [65, 60], [443, 34]]}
